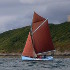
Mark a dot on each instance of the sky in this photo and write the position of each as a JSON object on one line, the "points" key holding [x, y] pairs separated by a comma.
{"points": [[19, 13]]}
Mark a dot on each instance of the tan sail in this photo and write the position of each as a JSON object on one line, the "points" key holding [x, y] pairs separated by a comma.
{"points": [[29, 50]]}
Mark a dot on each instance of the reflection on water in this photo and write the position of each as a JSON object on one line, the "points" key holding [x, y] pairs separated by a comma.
{"points": [[17, 64]]}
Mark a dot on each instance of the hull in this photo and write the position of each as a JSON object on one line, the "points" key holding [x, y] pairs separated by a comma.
{"points": [[28, 58]]}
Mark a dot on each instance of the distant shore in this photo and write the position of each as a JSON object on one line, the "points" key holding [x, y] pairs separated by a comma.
{"points": [[19, 55], [10, 54]]}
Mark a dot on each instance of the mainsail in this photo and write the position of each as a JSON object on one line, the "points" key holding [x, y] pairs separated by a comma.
{"points": [[28, 50], [41, 37]]}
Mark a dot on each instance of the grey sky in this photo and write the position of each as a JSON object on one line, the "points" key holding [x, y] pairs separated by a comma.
{"points": [[18, 13]]}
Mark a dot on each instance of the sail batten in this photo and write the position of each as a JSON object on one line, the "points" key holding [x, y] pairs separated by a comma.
{"points": [[39, 27]]}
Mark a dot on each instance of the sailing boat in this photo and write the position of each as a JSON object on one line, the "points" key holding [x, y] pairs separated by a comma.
{"points": [[39, 40]]}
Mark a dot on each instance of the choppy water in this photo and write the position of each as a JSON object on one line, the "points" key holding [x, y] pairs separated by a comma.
{"points": [[17, 64]]}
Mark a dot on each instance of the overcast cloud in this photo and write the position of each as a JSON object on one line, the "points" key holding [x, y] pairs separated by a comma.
{"points": [[19, 13]]}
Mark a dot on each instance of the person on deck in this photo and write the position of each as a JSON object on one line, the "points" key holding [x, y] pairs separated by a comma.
{"points": [[44, 56]]}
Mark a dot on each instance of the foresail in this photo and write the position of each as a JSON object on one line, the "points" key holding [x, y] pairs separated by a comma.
{"points": [[29, 50]]}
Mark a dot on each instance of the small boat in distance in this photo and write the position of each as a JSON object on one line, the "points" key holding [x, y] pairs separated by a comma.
{"points": [[39, 40]]}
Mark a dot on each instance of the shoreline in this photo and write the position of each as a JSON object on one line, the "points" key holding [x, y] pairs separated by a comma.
{"points": [[10, 54], [19, 55]]}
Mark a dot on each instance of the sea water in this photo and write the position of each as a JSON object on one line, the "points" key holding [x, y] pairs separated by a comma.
{"points": [[15, 63]]}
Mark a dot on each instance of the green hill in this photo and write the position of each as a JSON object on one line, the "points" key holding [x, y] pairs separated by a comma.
{"points": [[61, 36], [14, 40]]}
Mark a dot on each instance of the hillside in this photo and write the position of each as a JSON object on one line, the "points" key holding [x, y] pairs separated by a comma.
{"points": [[61, 36], [14, 40]]}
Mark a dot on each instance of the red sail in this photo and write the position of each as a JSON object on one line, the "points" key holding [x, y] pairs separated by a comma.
{"points": [[28, 50], [37, 18], [41, 38]]}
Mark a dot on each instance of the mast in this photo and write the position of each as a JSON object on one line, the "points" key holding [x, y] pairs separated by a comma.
{"points": [[32, 39]]}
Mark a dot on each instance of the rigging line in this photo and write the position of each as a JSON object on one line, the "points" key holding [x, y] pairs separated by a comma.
{"points": [[38, 27]]}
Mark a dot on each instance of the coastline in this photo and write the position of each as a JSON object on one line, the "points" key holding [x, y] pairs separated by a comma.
{"points": [[10, 54], [19, 55]]}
